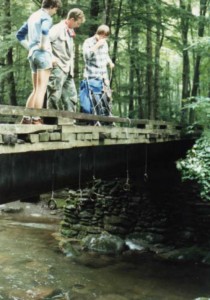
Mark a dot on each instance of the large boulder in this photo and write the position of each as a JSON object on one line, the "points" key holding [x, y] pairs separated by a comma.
{"points": [[104, 243]]}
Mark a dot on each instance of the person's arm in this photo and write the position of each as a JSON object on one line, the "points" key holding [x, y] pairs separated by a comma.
{"points": [[54, 33], [109, 61], [87, 52], [45, 27], [98, 44], [21, 35]]}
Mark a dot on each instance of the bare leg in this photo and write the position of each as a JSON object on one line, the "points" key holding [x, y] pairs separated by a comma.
{"points": [[30, 101], [36, 98], [41, 87], [39, 81]]}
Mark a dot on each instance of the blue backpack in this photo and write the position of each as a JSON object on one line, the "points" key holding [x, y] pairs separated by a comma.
{"points": [[87, 89]]}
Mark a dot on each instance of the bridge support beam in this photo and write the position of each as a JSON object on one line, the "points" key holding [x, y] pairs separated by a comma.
{"points": [[26, 175]]}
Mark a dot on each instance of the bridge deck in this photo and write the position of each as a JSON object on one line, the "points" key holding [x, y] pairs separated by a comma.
{"points": [[36, 159], [65, 134]]}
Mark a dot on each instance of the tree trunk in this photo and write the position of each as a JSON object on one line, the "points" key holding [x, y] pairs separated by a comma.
{"points": [[201, 27], [186, 9], [134, 62], [9, 80], [149, 70], [94, 13], [196, 76], [108, 6], [159, 41], [131, 88], [186, 61], [116, 34], [139, 93]]}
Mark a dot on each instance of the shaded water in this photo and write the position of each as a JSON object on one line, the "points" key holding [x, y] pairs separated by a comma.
{"points": [[32, 267]]}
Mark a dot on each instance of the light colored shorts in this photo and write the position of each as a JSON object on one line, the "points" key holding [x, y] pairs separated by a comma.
{"points": [[40, 60]]}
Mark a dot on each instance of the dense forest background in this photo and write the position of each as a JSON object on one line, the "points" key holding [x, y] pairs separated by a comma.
{"points": [[160, 50]]}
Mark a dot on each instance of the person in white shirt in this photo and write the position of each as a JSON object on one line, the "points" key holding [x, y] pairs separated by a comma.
{"points": [[61, 89], [34, 36], [96, 77]]}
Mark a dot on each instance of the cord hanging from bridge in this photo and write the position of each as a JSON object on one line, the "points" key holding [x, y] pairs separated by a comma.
{"points": [[94, 166], [129, 121], [145, 169], [80, 174], [52, 202], [126, 186]]}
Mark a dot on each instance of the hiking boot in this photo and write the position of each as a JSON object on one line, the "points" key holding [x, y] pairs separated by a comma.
{"points": [[26, 120], [38, 121]]}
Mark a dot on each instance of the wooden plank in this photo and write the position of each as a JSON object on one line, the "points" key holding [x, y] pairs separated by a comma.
{"points": [[55, 136], [109, 142], [61, 145], [9, 119], [20, 111], [65, 121], [66, 136], [25, 129], [33, 138], [88, 136], [44, 137], [95, 136], [76, 129]]}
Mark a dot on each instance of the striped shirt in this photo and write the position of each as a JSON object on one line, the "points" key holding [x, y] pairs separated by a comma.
{"points": [[95, 61]]}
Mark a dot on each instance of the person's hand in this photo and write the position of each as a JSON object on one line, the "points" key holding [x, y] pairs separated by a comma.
{"points": [[106, 82], [42, 47], [54, 62], [111, 64], [101, 42]]}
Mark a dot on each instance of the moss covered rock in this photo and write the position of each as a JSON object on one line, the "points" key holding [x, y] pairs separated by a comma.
{"points": [[104, 243]]}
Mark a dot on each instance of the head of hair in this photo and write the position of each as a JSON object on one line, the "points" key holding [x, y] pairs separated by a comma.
{"points": [[76, 14], [51, 3], [103, 29]]}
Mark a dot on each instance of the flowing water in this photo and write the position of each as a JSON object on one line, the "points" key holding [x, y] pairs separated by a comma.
{"points": [[32, 267]]}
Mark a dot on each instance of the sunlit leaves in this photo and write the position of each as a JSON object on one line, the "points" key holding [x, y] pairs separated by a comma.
{"points": [[196, 166]]}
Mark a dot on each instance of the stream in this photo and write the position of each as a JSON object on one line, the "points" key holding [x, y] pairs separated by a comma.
{"points": [[33, 267]]}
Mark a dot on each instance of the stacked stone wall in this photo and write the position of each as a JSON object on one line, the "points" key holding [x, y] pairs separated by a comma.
{"points": [[112, 207]]}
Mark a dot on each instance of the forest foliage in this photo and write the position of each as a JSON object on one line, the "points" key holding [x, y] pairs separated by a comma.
{"points": [[152, 43], [196, 166]]}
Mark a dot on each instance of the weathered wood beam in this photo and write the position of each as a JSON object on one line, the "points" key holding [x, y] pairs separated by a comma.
{"points": [[20, 111]]}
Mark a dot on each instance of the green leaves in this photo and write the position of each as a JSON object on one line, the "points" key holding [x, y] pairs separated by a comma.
{"points": [[196, 166], [201, 46], [201, 105]]}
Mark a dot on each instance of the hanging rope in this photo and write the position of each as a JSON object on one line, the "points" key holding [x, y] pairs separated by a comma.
{"points": [[94, 166], [53, 177], [52, 204], [129, 121], [126, 186], [80, 174], [145, 170]]}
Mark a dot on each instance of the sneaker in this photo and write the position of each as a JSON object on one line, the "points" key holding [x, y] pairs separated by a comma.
{"points": [[38, 121], [26, 120]]}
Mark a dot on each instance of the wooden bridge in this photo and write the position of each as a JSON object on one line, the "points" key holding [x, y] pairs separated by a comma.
{"points": [[64, 130], [36, 158]]}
